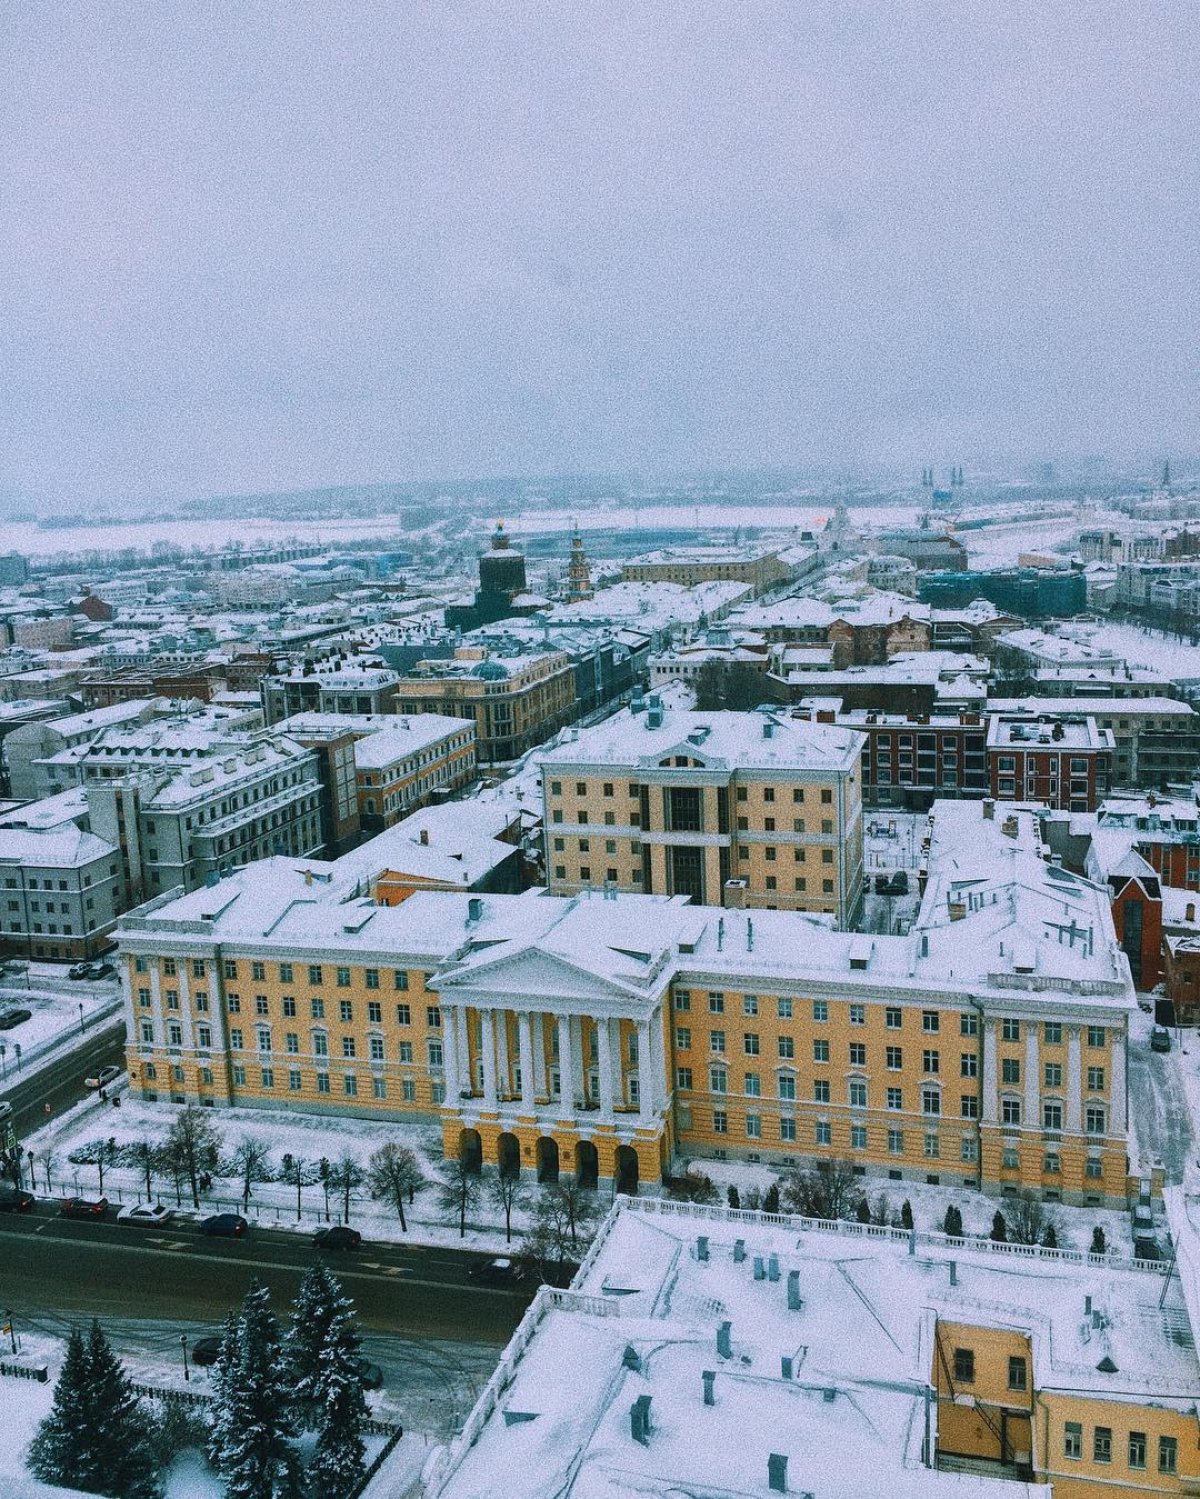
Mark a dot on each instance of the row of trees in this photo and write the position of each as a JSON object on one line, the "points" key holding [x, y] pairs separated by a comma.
{"points": [[270, 1388]]}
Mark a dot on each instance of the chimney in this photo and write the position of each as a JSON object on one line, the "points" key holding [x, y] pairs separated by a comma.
{"points": [[725, 1340], [777, 1473], [793, 1291], [785, 1367], [639, 1420], [423, 836], [709, 1377], [953, 1272], [474, 909], [735, 895], [702, 1246], [773, 1268], [308, 876], [739, 1251], [1189, 911], [749, 935], [989, 809], [760, 1272]]}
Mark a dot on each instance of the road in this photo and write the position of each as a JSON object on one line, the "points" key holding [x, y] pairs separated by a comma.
{"points": [[1158, 1107], [59, 1083]]}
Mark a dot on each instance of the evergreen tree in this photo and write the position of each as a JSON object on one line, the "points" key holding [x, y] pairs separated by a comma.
{"points": [[339, 1457], [770, 1199], [732, 1196], [61, 1452], [1099, 1243], [319, 1305], [863, 1212], [1050, 1237], [999, 1228], [906, 1217], [223, 1413], [952, 1225], [250, 1448]]}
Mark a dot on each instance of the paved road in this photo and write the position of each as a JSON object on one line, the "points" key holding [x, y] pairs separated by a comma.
{"points": [[50, 1264], [60, 1083], [1158, 1107]]}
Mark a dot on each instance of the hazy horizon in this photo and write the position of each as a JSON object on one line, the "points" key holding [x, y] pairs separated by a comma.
{"points": [[296, 247]]}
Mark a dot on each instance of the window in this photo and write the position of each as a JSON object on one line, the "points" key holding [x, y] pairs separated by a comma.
{"points": [[968, 1064], [1053, 1074], [716, 1004], [969, 1149], [858, 1054], [435, 1053], [322, 1082], [345, 1010], [1052, 1116], [1168, 1454], [292, 1041], [258, 971], [1016, 1372], [371, 975], [350, 1085], [968, 1023], [783, 1008], [787, 1086], [1101, 1437], [1094, 1119], [683, 1078], [1010, 1030], [931, 1101], [787, 1048], [1094, 1167], [320, 1044], [858, 1093], [682, 999], [294, 1079], [964, 1366], [749, 1004], [892, 1017], [375, 1043], [230, 967], [1010, 1072], [1010, 1110], [198, 968], [930, 1021], [1137, 1449], [433, 1017], [261, 1007], [968, 1106], [716, 1041], [933, 1147], [317, 1006], [1073, 1439], [820, 1051], [683, 1038], [858, 1137], [405, 1052], [754, 1126], [403, 1015], [931, 1061], [1095, 1079], [399, 979], [144, 998], [718, 1080], [820, 1010], [895, 1098], [895, 1141], [347, 1046], [787, 1129], [285, 973], [823, 1133], [375, 1012], [235, 1039], [233, 1002], [314, 974], [895, 1058], [268, 1077], [750, 1043], [1053, 1033]]}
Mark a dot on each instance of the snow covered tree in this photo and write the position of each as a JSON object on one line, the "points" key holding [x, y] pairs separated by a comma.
{"points": [[732, 1197], [952, 1224], [505, 1192], [770, 1199], [250, 1446], [339, 1457], [863, 1212], [345, 1177], [251, 1161], [299, 1173], [906, 1215], [192, 1147], [999, 1228], [394, 1174], [458, 1193], [96, 1437], [319, 1304], [1099, 1243]]}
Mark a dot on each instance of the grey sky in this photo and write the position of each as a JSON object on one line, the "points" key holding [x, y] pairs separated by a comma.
{"points": [[266, 245]]}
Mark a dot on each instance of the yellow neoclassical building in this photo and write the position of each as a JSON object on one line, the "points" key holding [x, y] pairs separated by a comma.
{"points": [[608, 1034]]}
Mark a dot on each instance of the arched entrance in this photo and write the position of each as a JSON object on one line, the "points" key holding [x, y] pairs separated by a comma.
{"points": [[508, 1155], [470, 1150], [627, 1170], [587, 1165], [547, 1159]]}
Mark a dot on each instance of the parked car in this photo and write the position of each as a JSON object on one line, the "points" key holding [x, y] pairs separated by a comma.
{"points": [[79, 971], [224, 1226], [102, 1078], [339, 1236], [14, 1199], [900, 882], [9, 1018], [205, 1352], [370, 1374], [1160, 1039], [102, 971], [145, 1214], [881, 884], [84, 1207], [501, 1271]]}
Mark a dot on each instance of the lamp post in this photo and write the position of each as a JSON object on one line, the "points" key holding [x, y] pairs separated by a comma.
{"points": [[183, 1349], [31, 1181], [12, 1331], [82, 1027], [3, 1065]]}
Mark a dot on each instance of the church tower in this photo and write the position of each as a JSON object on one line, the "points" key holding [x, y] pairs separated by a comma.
{"points": [[579, 577]]}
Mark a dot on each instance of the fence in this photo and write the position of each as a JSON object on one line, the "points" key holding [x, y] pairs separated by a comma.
{"points": [[38, 1372], [394, 1435]]}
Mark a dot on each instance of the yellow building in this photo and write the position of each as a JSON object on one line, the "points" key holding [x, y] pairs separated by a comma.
{"points": [[722, 1352], [690, 566], [986, 1048], [735, 809], [517, 700]]}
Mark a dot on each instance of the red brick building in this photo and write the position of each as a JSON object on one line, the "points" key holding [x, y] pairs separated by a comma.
{"points": [[1065, 763]]}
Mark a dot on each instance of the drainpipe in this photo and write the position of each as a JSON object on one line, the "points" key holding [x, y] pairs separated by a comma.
{"points": [[977, 1005]]}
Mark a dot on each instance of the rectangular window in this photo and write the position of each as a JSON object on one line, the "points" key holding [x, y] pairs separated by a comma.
{"points": [[820, 1010], [1095, 1079], [1052, 1116], [787, 1129], [346, 1010], [892, 1017], [343, 978], [930, 1021], [314, 973], [261, 1007], [968, 1023], [895, 1098], [894, 1056], [823, 1133], [683, 1078], [1168, 1454], [1010, 1030], [1053, 1033], [787, 1048], [1016, 1373], [749, 1004], [379, 1087], [294, 1079], [375, 1012], [371, 976], [1137, 1449], [787, 1086], [322, 1082], [968, 1106], [716, 1004], [1010, 1071], [1094, 1119], [720, 1122], [1053, 1074], [783, 1008], [268, 1077], [405, 1051], [350, 1085], [968, 1064], [375, 1043], [435, 1053], [858, 1137], [933, 1147], [969, 1151], [682, 999], [683, 1038], [964, 1366], [858, 1014], [750, 1043], [1073, 1439], [716, 1041], [408, 1089], [895, 1142], [820, 1051], [258, 971], [931, 1061], [1010, 1110], [399, 979], [403, 1015], [285, 973], [289, 1005], [858, 1054], [858, 1094], [317, 1006], [1101, 1437], [754, 1126]]}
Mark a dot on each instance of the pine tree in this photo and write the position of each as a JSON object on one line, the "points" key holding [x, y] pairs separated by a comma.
{"points": [[339, 1457], [319, 1305], [733, 1197], [1099, 1243], [952, 1224], [906, 1216], [999, 1228], [61, 1452], [770, 1200], [224, 1414], [250, 1447]]}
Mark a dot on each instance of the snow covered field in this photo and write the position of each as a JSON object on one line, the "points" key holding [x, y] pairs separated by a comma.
{"points": [[61, 1012]]}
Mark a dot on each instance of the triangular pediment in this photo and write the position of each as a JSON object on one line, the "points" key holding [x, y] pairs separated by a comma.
{"points": [[531, 973], [688, 748]]}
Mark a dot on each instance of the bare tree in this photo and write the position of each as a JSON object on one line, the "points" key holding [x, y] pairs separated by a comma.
{"points": [[345, 1175], [193, 1147], [828, 1190], [49, 1161], [251, 1160], [299, 1173], [563, 1215], [146, 1158], [581, 1206], [1027, 1218], [458, 1192], [506, 1192], [393, 1174]]}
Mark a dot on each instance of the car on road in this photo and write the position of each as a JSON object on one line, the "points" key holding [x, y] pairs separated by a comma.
{"points": [[205, 1351], [224, 1226], [370, 1374], [10, 1018], [102, 1078], [91, 971], [1160, 1039], [340, 1236], [83, 1207], [145, 1214], [14, 1199], [79, 971], [501, 1271]]}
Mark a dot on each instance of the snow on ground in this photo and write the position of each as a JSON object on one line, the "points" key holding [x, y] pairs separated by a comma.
{"points": [[55, 1005], [1161, 653]]}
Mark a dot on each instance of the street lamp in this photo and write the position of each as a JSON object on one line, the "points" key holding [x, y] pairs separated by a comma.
{"points": [[82, 1027], [12, 1331], [32, 1183], [183, 1349]]}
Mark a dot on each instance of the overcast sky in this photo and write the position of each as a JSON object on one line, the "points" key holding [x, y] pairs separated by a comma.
{"points": [[269, 245]]}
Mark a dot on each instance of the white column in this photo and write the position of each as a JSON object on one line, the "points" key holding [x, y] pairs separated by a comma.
{"points": [[1032, 1111], [645, 1085], [525, 1049], [462, 1054], [991, 1110], [1117, 1106], [1074, 1081], [450, 1028], [487, 1048], [605, 1061], [503, 1070], [540, 1087], [566, 1063]]}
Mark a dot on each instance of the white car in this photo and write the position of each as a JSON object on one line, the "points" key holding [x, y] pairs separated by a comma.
{"points": [[145, 1214], [102, 1078]]}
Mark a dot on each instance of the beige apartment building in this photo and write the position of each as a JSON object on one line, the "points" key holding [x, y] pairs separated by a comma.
{"points": [[735, 809]]}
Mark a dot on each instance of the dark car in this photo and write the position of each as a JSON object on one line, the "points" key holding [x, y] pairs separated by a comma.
{"points": [[340, 1236], [84, 1207], [370, 1374], [881, 884], [9, 1018], [205, 1351], [224, 1225], [501, 1271], [1160, 1039], [899, 883], [14, 1200], [101, 971]]}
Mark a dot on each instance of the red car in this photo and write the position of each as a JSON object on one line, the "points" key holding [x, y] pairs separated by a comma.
{"points": [[84, 1207]]}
